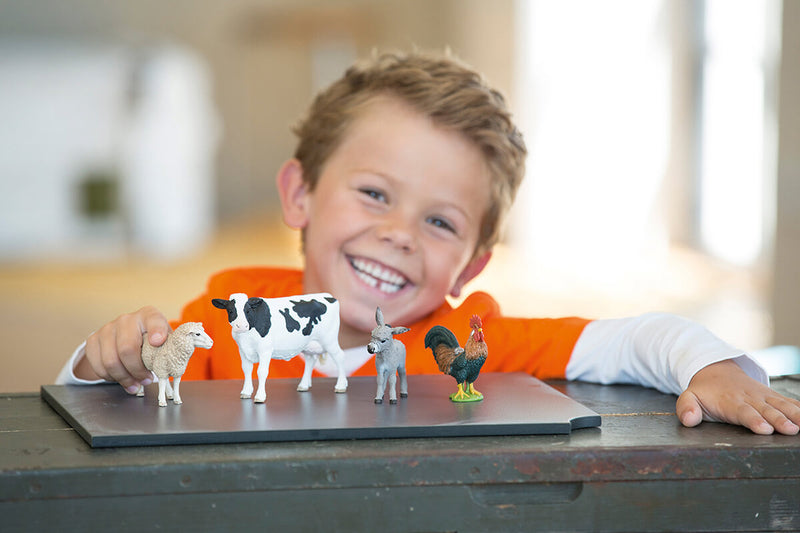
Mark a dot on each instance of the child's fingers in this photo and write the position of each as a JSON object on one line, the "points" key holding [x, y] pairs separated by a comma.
{"points": [[111, 355], [769, 414], [129, 352], [94, 358], [689, 410], [784, 414], [760, 421], [154, 324]]}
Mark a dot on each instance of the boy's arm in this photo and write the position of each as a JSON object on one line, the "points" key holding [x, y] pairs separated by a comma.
{"points": [[67, 375], [675, 355]]}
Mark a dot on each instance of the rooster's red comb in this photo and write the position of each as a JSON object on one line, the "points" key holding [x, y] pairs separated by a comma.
{"points": [[475, 321]]}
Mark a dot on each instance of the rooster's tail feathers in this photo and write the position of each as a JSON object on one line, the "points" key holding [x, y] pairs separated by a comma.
{"points": [[439, 335]]}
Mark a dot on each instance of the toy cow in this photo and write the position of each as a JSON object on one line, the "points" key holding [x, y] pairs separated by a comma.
{"points": [[280, 328], [390, 359]]}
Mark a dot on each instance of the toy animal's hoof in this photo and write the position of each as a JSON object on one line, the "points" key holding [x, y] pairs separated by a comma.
{"points": [[404, 395], [162, 404], [244, 396], [379, 400], [340, 391], [140, 394], [177, 402], [260, 400], [393, 402], [301, 388]]}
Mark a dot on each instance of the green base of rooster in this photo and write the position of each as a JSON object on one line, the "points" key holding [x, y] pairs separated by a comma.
{"points": [[468, 395]]}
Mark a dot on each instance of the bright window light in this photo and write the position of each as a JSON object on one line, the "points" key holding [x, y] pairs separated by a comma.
{"points": [[594, 104], [733, 120]]}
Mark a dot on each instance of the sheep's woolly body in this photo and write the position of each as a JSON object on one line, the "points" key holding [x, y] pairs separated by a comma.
{"points": [[170, 359]]}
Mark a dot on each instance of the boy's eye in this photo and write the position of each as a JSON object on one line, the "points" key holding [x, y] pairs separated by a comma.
{"points": [[373, 193], [441, 223]]}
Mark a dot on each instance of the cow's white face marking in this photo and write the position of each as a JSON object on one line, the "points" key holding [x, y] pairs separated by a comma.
{"points": [[239, 324]]}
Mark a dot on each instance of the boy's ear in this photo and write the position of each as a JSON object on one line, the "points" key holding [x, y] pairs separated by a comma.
{"points": [[293, 193], [472, 269]]}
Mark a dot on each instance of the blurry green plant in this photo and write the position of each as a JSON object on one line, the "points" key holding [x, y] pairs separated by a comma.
{"points": [[99, 194]]}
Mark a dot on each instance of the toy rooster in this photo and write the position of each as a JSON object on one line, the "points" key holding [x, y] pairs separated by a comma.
{"points": [[464, 364]]}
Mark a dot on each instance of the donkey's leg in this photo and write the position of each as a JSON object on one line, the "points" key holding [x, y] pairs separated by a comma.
{"points": [[403, 381], [392, 386]]}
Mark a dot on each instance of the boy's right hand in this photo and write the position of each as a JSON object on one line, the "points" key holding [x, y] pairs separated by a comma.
{"points": [[114, 352]]}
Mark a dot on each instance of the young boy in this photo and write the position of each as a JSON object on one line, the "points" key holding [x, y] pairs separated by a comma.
{"points": [[403, 174]]}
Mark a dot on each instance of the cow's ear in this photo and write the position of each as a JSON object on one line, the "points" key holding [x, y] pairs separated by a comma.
{"points": [[220, 303], [294, 194]]}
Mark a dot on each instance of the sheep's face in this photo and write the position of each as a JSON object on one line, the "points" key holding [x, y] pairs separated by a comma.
{"points": [[194, 332]]}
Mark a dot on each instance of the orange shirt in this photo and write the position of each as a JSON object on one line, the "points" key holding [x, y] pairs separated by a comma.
{"points": [[540, 347]]}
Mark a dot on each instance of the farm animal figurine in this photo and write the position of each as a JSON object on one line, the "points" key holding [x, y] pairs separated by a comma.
{"points": [[280, 328], [390, 359], [464, 364], [171, 358]]}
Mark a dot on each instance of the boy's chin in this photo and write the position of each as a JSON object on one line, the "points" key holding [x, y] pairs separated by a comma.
{"points": [[361, 316]]}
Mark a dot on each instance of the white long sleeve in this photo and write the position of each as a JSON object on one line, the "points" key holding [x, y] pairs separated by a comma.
{"points": [[67, 374], [657, 350]]}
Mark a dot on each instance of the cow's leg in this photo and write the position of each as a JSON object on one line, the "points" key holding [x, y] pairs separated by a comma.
{"points": [[162, 390], [403, 381], [338, 356], [263, 372], [247, 387], [176, 385], [305, 383], [392, 385]]}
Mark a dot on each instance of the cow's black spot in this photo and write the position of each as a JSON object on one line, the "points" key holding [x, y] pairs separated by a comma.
{"points": [[291, 323], [310, 309], [330, 299], [256, 312]]}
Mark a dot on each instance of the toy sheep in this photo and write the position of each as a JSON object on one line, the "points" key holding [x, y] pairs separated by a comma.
{"points": [[390, 359], [171, 358]]}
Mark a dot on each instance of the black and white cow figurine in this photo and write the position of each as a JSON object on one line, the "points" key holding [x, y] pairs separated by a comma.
{"points": [[281, 328]]}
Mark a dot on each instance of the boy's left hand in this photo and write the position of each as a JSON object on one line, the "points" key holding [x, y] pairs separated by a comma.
{"points": [[722, 391]]}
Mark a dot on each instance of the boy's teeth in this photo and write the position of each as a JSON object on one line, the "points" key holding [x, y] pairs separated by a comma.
{"points": [[376, 276]]}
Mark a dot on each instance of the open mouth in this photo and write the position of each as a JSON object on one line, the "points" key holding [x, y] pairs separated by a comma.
{"points": [[378, 276]]}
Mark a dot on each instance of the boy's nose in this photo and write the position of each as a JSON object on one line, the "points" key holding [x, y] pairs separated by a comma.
{"points": [[398, 235]]}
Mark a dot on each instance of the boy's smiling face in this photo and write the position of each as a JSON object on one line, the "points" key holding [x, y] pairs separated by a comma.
{"points": [[394, 218]]}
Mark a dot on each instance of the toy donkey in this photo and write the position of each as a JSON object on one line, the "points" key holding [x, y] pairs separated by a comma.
{"points": [[390, 359]]}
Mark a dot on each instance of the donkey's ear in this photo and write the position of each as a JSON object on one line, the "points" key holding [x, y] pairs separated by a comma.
{"points": [[398, 330], [379, 316]]}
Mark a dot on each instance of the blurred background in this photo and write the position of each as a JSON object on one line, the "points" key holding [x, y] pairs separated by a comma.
{"points": [[139, 143]]}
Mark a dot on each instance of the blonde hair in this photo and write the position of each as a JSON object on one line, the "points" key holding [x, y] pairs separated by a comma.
{"points": [[440, 87]]}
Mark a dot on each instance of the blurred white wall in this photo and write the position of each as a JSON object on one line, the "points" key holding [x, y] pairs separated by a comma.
{"points": [[62, 107], [167, 163], [74, 112]]}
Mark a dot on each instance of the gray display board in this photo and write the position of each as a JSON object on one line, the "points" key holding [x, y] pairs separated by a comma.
{"points": [[212, 412]]}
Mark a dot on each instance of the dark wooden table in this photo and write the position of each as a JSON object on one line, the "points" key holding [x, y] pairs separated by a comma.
{"points": [[640, 471]]}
